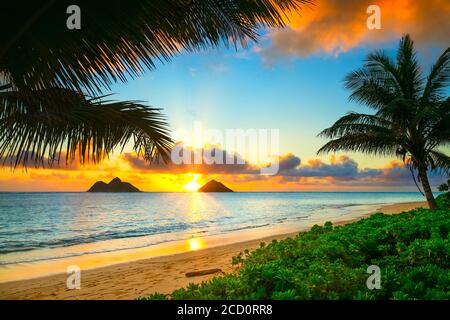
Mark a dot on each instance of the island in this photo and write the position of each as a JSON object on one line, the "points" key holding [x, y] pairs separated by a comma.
{"points": [[214, 186], [116, 185]]}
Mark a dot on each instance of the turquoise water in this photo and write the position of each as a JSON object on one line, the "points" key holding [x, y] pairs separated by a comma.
{"points": [[30, 222]]}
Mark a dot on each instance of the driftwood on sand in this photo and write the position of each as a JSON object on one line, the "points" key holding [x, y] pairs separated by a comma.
{"points": [[203, 272]]}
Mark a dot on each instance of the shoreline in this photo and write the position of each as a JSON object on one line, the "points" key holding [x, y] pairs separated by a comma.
{"points": [[140, 274], [93, 256]]}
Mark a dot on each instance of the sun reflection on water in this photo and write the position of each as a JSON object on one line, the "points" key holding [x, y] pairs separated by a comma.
{"points": [[196, 244]]}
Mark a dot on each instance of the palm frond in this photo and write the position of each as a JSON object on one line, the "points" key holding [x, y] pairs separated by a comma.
{"points": [[376, 144], [437, 120], [360, 132], [356, 123], [376, 83], [399, 112], [409, 73], [439, 161], [364, 118], [119, 39], [438, 79], [36, 129]]}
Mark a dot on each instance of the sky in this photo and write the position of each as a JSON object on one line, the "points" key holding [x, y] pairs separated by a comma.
{"points": [[291, 81]]}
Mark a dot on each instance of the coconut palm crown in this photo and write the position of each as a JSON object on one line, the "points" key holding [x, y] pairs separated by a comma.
{"points": [[412, 113]]}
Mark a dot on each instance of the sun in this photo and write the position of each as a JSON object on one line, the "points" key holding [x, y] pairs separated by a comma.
{"points": [[192, 185]]}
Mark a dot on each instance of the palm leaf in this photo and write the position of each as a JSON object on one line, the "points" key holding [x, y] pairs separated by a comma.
{"points": [[357, 123], [376, 84], [35, 129], [439, 161], [376, 144], [434, 121], [118, 38], [438, 79], [409, 73]]}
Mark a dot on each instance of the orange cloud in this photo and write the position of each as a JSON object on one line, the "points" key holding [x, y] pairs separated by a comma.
{"points": [[341, 173], [335, 26]]}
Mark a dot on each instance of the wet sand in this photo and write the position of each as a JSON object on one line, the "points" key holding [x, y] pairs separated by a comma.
{"points": [[400, 207], [130, 280]]}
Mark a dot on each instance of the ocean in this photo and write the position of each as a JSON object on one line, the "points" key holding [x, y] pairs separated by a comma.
{"points": [[42, 226]]}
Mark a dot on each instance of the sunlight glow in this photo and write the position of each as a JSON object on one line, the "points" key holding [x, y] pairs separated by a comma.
{"points": [[192, 185], [196, 244]]}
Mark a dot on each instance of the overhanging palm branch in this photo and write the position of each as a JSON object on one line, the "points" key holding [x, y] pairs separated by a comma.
{"points": [[119, 38], [37, 130]]}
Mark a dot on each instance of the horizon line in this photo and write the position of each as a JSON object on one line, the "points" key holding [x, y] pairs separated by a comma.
{"points": [[217, 192]]}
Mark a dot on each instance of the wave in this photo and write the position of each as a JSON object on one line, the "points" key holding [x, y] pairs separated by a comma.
{"points": [[247, 227], [47, 220], [16, 246]]}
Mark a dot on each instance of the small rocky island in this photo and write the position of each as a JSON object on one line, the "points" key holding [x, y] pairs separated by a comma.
{"points": [[116, 185], [214, 186]]}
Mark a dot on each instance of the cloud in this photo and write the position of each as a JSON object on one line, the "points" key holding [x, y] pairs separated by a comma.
{"points": [[289, 162], [396, 173], [339, 173], [58, 163], [340, 170], [193, 72], [59, 176], [218, 67], [335, 26], [239, 166]]}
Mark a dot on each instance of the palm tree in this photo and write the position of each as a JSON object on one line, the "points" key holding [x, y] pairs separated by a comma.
{"points": [[412, 113], [51, 77]]}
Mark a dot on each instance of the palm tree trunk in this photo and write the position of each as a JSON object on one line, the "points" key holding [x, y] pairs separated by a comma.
{"points": [[426, 188]]}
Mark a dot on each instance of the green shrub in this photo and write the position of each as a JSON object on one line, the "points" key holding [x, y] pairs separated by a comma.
{"points": [[443, 200], [412, 250]]}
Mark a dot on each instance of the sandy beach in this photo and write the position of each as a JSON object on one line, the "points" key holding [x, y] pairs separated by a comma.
{"points": [[130, 280]]}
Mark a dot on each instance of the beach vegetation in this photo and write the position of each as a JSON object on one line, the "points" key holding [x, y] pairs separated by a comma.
{"points": [[443, 200], [412, 250]]}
